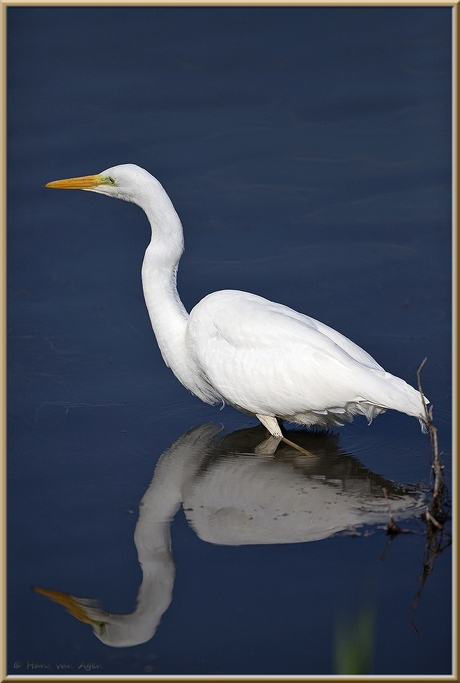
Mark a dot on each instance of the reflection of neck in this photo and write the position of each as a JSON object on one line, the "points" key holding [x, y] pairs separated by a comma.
{"points": [[153, 543], [154, 596]]}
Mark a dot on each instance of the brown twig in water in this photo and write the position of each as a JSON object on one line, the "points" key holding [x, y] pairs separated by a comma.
{"points": [[435, 514], [434, 546], [438, 488], [393, 529]]}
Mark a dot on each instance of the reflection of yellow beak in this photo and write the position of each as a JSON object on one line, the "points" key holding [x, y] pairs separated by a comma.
{"points": [[85, 182], [75, 606]]}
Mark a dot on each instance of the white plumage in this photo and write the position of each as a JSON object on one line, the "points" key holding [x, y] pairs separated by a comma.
{"points": [[261, 357]]}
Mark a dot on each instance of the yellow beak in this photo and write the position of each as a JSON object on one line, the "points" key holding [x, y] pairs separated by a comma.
{"points": [[76, 606], [85, 182]]}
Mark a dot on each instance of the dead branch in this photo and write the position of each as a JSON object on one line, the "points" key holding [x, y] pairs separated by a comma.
{"points": [[436, 513], [436, 507]]}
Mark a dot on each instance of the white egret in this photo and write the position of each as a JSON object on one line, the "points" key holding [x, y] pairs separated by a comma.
{"points": [[263, 358]]}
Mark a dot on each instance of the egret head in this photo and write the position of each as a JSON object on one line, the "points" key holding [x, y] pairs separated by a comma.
{"points": [[127, 182]]}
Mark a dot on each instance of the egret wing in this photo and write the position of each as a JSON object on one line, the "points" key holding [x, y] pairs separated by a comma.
{"points": [[265, 358]]}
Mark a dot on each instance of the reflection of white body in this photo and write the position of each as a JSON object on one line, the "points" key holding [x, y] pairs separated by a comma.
{"points": [[234, 498], [250, 501], [261, 357]]}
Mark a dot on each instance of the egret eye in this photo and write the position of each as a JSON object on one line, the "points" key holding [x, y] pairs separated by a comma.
{"points": [[107, 180]]}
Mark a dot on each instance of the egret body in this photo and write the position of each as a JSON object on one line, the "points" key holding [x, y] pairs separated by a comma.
{"points": [[263, 358]]}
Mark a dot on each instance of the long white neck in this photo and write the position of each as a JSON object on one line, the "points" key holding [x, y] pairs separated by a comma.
{"points": [[159, 270]]}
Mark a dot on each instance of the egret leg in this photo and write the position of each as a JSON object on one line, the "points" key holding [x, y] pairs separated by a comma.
{"points": [[273, 426]]}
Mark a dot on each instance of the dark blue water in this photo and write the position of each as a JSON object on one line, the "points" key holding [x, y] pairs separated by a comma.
{"points": [[307, 151]]}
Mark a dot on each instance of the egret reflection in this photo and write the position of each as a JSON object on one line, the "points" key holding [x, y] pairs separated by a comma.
{"points": [[234, 495]]}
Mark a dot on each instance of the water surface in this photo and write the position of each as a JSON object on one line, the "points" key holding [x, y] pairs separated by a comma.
{"points": [[307, 152]]}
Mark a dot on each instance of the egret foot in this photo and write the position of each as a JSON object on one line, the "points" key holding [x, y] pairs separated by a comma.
{"points": [[297, 447], [273, 426]]}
